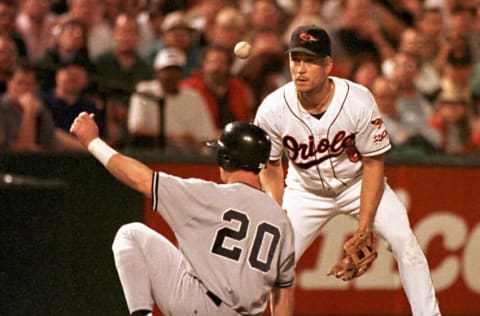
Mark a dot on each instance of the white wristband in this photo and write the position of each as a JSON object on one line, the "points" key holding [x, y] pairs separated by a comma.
{"points": [[101, 150]]}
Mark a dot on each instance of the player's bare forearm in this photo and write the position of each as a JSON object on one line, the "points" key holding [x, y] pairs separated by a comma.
{"points": [[132, 173], [282, 301], [372, 190], [272, 180]]}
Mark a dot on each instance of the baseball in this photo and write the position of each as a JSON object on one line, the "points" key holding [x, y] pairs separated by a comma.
{"points": [[242, 49]]}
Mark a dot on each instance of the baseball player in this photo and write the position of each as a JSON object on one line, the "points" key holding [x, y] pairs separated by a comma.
{"points": [[235, 243], [335, 140]]}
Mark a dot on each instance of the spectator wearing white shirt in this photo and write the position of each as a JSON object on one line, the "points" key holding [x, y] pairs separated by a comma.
{"points": [[186, 116]]}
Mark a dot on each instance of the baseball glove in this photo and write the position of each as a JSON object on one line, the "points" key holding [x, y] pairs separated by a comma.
{"points": [[360, 252]]}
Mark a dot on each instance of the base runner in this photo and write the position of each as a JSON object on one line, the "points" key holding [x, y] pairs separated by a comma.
{"points": [[235, 243]]}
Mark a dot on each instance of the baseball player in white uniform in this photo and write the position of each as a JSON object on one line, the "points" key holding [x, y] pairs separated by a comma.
{"points": [[236, 244], [332, 133]]}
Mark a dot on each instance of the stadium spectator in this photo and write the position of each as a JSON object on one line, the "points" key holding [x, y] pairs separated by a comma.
{"points": [[415, 109], [403, 134], [186, 116], [228, 97], [67, 99], [70, 37], [263, 73], [457, 74], [308, 12], [365, 70], [7, 26], [475, 84], [428, 78], [8, 60], [119, 70], [201, 15], [456, 34], [35, 22], [396, 16], [113, 8], [451, 118], [462, 23], [359, 31], [264, 42], [267, 41], [90, 13], [228, 28], [430, 24], [150, 22], [266, 15], [25, 123], [59, 6], [309, 7], [176, 32]]}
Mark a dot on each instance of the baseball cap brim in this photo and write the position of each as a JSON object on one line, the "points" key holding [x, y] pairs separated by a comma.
{"points": [[303, 50]]}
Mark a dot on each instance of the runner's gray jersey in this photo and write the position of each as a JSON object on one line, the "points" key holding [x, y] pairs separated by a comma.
{"points": [[237, 236]]}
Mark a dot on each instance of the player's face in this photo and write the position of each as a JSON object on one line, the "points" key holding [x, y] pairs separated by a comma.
{"points": [[309, 72]]}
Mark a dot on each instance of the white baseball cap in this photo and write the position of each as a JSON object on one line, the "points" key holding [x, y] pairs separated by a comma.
{"points": [[168, 57], [175, 20]]}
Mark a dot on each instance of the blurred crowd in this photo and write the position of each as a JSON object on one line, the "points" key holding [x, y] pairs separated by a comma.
{"points": [[163, 72]]}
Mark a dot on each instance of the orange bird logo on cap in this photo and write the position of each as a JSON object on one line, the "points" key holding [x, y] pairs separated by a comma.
{"points": [[305, 37]]}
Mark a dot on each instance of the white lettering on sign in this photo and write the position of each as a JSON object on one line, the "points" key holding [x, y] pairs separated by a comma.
{"points": [[453, 231], [471, 261], [455, 266]]}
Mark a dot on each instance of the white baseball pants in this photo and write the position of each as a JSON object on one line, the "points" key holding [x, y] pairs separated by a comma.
{"points": [[309, 212]]}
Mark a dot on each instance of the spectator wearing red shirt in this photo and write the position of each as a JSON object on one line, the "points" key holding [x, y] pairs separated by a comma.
{"points": [[452, 119], [228, 97]]}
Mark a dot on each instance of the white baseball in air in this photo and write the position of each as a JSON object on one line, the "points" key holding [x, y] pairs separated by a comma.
{"points": [[242, 49]]}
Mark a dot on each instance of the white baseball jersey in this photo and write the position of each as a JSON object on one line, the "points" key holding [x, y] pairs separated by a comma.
{"points": [[238, 242], [324, 154]]}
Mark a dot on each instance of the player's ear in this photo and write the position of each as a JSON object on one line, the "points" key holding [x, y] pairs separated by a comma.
{"points": [[328, 63]]}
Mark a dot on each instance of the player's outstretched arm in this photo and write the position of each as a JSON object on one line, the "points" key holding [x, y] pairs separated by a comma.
{"points": [[372, 190], [129, 171], [282, 301], [272, 180]]}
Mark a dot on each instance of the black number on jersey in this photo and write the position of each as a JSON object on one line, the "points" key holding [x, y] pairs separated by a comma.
{"points": [[260, 234], [223, 233], [239, 233]]}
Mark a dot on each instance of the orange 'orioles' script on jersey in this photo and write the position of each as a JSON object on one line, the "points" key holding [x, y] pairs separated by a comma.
{"points": [[304, 155]]}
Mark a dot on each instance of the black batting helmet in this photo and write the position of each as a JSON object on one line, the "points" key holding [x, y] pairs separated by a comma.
{"points": [[242, 146]]}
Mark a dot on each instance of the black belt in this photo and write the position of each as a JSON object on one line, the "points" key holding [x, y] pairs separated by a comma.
{"points": [[217, 301]]}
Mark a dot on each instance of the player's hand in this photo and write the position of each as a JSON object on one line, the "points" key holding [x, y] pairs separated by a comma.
{"points": [[85, 128]]}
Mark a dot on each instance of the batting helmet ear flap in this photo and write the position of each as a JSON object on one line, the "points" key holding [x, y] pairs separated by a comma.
{"points": [[224, 160]]}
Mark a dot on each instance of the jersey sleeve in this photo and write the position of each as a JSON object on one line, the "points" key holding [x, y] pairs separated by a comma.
{"points": [[372, 138], [286, 274], [268, 119]]}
